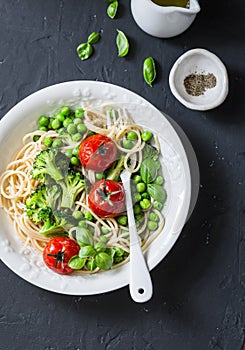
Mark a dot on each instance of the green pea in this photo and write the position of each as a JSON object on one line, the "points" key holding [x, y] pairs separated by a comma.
{"points": [[136, 197], [75, 151], [152, 225], [77, 214], [127, 144], [71, 129], [159, 180], [154, 217], [137, 209], [60, 117], [43, 120], [122, 44], [93, 38], [65, 111], [76, 137], [48, 141], [68, 153], [131, 135], [122, 220], [145, 195], [81, 128], [74, 161], [42, 128], [141, 187], [146, 135], [36, 138], [137, 178], [84, 51], [67, 122], [82, 223], [56, 124], [77, 121], [57, 143], [88, 216], [50, 123], [79, 113], [145, 204], [99, 176], [149, 70], [105, 230], [157, 205]]}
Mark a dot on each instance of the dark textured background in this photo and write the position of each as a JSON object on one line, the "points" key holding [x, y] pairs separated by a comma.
{"points": [[198, 301]]}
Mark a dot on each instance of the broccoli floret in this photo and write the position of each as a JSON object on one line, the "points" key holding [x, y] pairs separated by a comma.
{"points": [[72, 185], [50, 162], [44, 196], [42, 202], [59, 223]]}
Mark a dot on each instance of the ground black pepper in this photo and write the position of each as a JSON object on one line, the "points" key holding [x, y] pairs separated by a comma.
{"points": [[196, 84]]}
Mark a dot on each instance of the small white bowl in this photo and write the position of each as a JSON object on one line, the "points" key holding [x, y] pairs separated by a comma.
{"points": [[199, 61]]}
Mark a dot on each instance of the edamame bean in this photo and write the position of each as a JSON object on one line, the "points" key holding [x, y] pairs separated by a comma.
{"points": [[65, 110], [88, 216], [71, 129], [79, 113], [67, 122], [131, 135], [57, 143], [127, 144], [81, 128], [145, 203], [137, 178], [56, 124], [122, 220]]}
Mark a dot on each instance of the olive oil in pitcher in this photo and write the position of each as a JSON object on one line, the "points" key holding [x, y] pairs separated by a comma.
{"points": [[178, 3]]}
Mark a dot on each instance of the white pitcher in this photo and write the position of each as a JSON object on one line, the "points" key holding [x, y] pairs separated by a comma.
{"points": [[163, 21]]}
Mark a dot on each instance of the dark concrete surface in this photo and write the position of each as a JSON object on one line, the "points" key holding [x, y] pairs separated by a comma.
{"points": [[199, 299]]}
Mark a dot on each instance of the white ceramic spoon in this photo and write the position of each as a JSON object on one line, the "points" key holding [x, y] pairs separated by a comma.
{"points": [[140, 284]]}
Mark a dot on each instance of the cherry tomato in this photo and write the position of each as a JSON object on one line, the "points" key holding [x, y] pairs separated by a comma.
{"points": [[107, 198], [58, 252], [97, 152]]}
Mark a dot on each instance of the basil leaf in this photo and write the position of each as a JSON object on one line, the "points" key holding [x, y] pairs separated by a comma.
{"points": [[87, 251], [112, 9], [103, 261], [100, 246], [157, 192], [93, 38], [148, 170], [122, 44], [84, 51], [76, 263], [84, 237], [149, 70], [91, 265]]}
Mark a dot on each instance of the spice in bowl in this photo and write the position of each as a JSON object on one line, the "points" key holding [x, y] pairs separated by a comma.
{"points": [[196, 84]]}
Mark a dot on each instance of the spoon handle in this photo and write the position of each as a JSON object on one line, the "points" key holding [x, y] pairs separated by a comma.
{"points": [[140, 284]]}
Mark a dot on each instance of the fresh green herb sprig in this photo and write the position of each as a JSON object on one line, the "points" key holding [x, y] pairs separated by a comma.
{"points": [[85, 50], [149, 70]]}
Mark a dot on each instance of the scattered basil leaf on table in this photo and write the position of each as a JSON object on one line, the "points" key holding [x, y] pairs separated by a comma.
{"points": [[112, 9], [84, 51], [122, 43], [93, 38], [149, 70]]}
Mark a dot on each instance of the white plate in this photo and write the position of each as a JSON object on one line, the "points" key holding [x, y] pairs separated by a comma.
{"points": [[23, 117]]}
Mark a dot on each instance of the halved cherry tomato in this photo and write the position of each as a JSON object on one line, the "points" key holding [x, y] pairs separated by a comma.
{"points": [[58, 252], [97, 152], [107, 198]]}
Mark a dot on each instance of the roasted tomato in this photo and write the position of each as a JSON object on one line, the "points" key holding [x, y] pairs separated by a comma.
{"points": [[97, 152], [107, 198], [58, 252]]}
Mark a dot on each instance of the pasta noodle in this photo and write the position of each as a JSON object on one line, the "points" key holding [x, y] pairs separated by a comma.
{"points": [[16, 183]]}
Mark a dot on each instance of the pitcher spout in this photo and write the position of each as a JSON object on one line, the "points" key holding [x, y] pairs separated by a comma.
{"points": [[194, 7]]}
